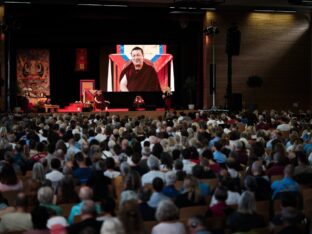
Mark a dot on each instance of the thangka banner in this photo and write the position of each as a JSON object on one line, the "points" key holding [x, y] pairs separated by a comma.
{"points": [[33, 72]]}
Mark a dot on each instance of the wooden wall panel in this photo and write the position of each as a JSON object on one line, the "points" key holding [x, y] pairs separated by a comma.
{"points": [[276, 46]]}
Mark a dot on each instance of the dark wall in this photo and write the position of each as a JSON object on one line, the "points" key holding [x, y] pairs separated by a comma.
{"points": [[63, 29]]}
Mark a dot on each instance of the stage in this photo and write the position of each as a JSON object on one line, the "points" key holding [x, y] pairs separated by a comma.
{"points": [[122, 112]]}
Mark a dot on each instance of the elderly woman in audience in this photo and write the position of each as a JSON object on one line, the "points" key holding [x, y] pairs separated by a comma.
{"points": [[246, 217], [45, 198], [167, 214]]}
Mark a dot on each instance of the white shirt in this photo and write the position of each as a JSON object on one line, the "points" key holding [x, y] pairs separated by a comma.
{"points": [[232, 199], [148, 177], [169, 228]]}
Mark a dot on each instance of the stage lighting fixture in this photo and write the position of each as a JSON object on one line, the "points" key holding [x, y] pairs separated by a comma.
{"points": [[211, 30]]}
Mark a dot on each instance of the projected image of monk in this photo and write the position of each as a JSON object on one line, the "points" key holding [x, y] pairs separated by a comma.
{"points": [[139, 75]]}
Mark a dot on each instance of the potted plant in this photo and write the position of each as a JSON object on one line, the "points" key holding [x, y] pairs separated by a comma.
{"points": [[254, 81], [189, 88]]}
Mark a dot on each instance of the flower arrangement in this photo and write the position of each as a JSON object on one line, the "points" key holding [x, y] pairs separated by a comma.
{"points": [[138, 101]]}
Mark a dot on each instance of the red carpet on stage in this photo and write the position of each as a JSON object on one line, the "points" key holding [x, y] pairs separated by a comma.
{"points": [[78, 107]]}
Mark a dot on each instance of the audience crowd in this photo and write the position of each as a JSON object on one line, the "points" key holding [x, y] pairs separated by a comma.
{"points": [[96, 173]]}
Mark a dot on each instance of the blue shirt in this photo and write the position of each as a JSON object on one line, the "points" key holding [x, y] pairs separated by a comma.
{"points": [[75, 210], [219, 157], [170, 191], [284, 185]]}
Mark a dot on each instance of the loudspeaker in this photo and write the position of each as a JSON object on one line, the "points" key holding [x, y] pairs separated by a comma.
{"points": [[233, 38], [235, 102]]}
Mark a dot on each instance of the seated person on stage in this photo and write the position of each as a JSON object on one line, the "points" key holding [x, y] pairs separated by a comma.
{"points": [[138, 75], [99, 101]]}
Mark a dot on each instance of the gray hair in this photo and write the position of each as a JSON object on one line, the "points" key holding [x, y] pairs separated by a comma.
{"points": [[247, 203], [45, 195], [88, 207], [126, 196], [112, 226], [166, 211], [153, 163], [38, 172]]}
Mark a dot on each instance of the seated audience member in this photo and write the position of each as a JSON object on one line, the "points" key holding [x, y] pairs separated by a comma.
{"points": [[276, 167], [303, 167], [108, 206], [170, 189], [45, 198], [246, 217], [85, 193], [190, 194], [286, 184], [167, 214], [9, 180], [20, 219], [157, 196], [263, 189], [111, 172], [198, 173], [289, 199], [178, 166], [153, 165], [55, 176], [218, 156], [147, 212], [66, 191], [112, 226], [291, 221], [39, 218], [83, 172], [219, 208], [197, 225], [131, 218], [88, 221], [208, 155], [100, 184]]}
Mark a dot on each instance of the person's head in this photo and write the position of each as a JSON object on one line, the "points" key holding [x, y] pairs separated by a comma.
{"points": [[137, 57], [88, 209], [108, 206], [38, 172], [99, 92], [289, 171], [166, 211], [247, 203], [85, 193], [196, 223], [158, 184], [171, 178], [132, 181], [112, 226], [130, 217], [221, 193], [7, 175], [45, 195], [153, 163]]}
